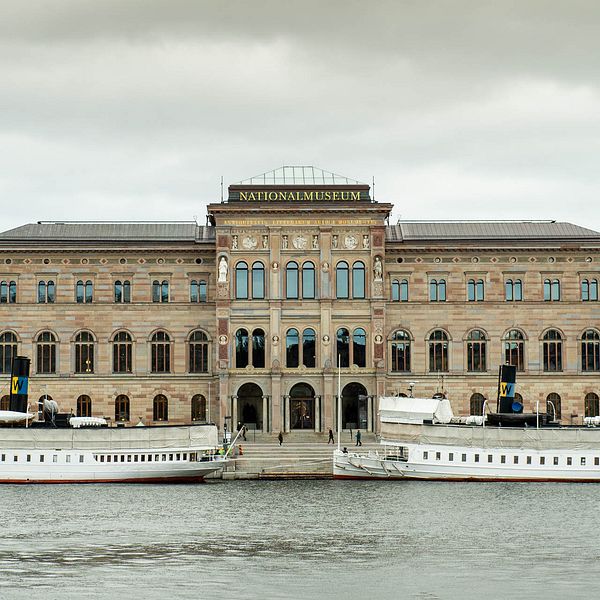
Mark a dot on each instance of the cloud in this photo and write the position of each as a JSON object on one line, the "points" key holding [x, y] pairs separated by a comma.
{"points": [[134, 110]]}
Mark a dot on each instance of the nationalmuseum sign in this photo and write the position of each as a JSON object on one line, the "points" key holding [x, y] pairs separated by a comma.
{"points": [[298, 194]]}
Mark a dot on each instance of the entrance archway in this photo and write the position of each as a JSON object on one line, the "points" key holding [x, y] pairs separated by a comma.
{"points": [[302, 407], [354, 406], [250, 406]]}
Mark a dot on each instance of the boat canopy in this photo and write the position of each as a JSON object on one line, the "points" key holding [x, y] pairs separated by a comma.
{"points": [[399, 409]]}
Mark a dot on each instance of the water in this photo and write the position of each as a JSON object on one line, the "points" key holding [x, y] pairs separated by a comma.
{"points": [[300, 539]]}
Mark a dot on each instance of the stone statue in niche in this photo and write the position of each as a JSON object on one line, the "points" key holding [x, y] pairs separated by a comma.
{"points": [[284, 242], [223, 270], [315, 242], [366, 243], [265, 242], [234, 242], [334, 241], [378, 269]]}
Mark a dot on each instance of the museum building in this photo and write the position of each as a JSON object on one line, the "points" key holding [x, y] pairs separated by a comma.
{"points": [[299, 286]]}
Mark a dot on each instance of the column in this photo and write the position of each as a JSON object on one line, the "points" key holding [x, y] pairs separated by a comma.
{"points": [[369, 413], [286, 413], [317, 414], [233, 413], [266, 421]]}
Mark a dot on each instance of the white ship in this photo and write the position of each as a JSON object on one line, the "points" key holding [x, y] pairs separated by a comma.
{"points": [[421, 439], [87, 451]]}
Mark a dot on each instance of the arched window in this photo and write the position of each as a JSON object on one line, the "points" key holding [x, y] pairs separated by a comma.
{"points": [[198, 352], [343, 346], [292, 341], [475, 290], [476, 404], [589, 290], [437, 290], [513, 290], [592, 405], [241, 280], [553, 406], [122, 352], [552, 350], [160, 291], [395, 291], [358, 279], [590, 350], [8, 350], [84, 352], [258, 349], [291, 280], [514, 349], [438, 351], [400, 352], [308, 280], [341, 280], [551, 290], [198, 408], [122, 291], [46, 292], [258, 280], [194, 291], [160, 354], [309, 348], [476, 351], [84, 406], [359, 347], [122, 408], [160, 408], [8, 292], [46, 352], [241, 349], [84, 291], [5, 402], [202, 291]]}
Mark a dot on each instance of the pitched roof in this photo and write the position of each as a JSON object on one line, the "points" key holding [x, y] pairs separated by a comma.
{"points": [[488, 230], [108, 232], [299, 175]]}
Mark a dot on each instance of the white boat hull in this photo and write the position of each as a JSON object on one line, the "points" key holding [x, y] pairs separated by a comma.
{"points": [[518, 465]]}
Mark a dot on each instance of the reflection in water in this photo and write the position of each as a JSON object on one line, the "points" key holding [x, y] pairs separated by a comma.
{"points": [[309, 539]]}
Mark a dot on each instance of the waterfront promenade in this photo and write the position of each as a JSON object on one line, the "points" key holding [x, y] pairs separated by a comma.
{"points": [[302, 456]]}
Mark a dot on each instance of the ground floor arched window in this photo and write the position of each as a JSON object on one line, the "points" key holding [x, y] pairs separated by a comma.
{"points": [[198, 408], [84, 406], [592, 405], [122, 408], [160, 408], [476, 404]]}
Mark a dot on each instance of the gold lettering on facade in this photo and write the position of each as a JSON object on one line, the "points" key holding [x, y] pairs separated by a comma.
{"points": [[299, 196]]}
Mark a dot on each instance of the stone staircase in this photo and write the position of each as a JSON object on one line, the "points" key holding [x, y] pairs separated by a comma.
{"points": [[302, 456]]}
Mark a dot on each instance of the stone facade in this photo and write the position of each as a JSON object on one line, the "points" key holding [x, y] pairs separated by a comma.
{"points": [[279, 386]]}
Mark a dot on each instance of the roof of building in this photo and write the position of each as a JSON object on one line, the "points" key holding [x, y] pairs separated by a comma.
{"points": [[110, 231], [299, 175], [487, 230]]}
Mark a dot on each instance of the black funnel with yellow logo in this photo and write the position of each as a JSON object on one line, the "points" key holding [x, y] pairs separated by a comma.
{"points": [[19, 384]]}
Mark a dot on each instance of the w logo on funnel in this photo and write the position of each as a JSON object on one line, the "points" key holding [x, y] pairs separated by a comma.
{"points": [[19, 385]]}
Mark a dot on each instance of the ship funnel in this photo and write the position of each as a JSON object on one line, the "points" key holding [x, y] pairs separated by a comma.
{"points": [[506, 390], [19, 384]]}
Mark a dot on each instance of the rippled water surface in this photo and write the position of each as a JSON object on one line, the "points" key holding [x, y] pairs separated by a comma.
{"points": [[300, 539]]}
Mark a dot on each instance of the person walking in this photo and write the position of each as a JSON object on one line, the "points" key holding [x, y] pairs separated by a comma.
{"points": [[358, 437], [244, 429], [280, 438], [330, 437]]}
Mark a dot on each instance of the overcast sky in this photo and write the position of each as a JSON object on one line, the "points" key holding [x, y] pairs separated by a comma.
{"points": [[133, 110]]}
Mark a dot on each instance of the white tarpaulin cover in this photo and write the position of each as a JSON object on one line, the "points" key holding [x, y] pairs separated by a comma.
{"points": [[110, 438], [399, 409]]}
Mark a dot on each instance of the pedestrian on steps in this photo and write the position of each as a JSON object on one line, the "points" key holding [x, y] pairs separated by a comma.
{"points": [[358, 437], [280, 438], [330, 437]]}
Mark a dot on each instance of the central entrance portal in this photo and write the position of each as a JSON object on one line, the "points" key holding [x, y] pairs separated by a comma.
{"points": [[354, 406], [302, 407], [250, 406]]}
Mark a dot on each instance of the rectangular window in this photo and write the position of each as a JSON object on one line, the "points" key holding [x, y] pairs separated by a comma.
{"points": [[129, 458], [425, 455], [555, 460], [135, 458], [529, 460], [15, 458], [29, 458], [477, 458], [438, 456], [596, 461], [490, 458], [542, 460], [582, 461], [42, 458], [81, 458], [143, 458], [451, 456], [569, 461], [55, 458], [102, 458], [464, 458], [515, 460], [108, 458], [503, 459], [68, 458]]}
